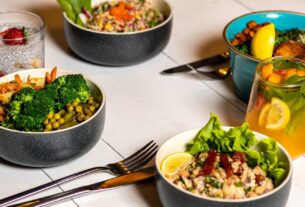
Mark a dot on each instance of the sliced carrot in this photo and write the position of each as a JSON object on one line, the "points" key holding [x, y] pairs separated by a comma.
{"points": [[48, 77], [53, 74], [18, 79]]}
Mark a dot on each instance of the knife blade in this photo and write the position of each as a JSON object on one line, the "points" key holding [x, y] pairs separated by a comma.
{"points": [[131, 178], [214, 60]]}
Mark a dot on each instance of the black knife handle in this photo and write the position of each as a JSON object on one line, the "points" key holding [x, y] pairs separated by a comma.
{"points": [[217, 59]]}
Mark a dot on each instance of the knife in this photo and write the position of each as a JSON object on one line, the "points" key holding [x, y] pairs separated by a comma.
{"points": [[134, 177], [217, 59]]}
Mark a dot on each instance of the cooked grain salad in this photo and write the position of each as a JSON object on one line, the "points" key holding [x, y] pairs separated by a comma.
{"points": [[229, 164], [124, 16], [219, 175]]}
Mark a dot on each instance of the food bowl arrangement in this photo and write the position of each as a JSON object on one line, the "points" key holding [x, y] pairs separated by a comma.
{"points": [[121, 33], [283, 37], [223, 166], [67, 131]]}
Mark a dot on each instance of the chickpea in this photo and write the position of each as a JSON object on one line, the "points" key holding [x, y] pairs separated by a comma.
{"points": [[49, 127], [57, 116], [237, 36], [55, 125], [91, 98], [251, 24], [242, 38], [251, 34], [235, 42], [257, 28], [246, 31]]}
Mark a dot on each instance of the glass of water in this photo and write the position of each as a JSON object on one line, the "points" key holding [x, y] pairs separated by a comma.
{"points": [[21, 41]]}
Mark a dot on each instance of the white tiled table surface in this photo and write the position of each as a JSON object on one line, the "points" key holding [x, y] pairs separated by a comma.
{"points": [[144, 105]]}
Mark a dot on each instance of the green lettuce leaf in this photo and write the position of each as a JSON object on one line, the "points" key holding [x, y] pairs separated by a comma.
{"points": [[242, 139]]}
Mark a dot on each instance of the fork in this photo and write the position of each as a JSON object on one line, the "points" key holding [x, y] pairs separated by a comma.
{"points": [[132, 163]]}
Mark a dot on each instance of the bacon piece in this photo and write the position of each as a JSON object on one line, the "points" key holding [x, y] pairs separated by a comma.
{"points": [[209, 163], [239, 156], [224, 161], [259, 179]]}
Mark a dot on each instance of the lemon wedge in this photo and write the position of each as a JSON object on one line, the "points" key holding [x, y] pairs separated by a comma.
{"points": [[274, 115], [263, 41], [172, 163]]}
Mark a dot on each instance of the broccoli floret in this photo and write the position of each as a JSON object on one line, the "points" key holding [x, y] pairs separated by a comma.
{"points": [[23, 96], [72, 87], [29, 108], [29, 123]]}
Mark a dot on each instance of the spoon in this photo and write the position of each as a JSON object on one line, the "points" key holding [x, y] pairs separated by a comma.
{"points": [[219, 73]]}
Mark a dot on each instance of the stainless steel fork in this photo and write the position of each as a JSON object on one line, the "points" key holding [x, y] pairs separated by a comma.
{"points": [[125, 166]]}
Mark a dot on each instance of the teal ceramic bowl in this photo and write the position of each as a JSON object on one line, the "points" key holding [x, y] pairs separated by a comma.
{"points": [[243, 65]]}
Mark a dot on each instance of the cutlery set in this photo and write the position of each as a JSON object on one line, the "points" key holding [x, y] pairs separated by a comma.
{"points": [[128, 170]]}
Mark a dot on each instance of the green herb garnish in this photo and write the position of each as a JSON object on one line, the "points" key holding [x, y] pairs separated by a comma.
{"points": [[242, 139]]}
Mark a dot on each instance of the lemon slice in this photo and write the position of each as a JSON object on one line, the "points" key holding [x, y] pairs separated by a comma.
{"points": [[172, 163], [274, 115], [263, 114], [262, 43]]}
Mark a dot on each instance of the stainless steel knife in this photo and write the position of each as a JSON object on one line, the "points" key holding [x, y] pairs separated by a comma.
{"points": [[214, 60], [134, 177]]}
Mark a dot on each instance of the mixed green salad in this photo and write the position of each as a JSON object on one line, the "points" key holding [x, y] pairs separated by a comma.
{"points": [[240, 139]]}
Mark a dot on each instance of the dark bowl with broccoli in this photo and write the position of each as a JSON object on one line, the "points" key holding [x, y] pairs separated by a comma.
{"points": [[50, 126]]}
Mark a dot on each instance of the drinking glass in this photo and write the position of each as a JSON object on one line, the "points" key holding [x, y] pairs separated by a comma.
{"points": [[27, 51], [277, 102]]}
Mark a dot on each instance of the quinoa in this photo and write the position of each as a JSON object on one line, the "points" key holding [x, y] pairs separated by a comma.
{"points": [[124, 16], [217, 175]]}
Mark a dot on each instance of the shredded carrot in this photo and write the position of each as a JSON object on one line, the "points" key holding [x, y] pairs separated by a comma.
{"points": [[18, 79], [121, 11]]}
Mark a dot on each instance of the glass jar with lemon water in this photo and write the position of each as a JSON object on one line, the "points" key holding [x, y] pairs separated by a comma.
{"points": [[277, 102]]}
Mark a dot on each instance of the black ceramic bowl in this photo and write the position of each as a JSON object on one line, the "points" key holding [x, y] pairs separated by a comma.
{"points": [[46, 149], [173, 196], [120, 49]]}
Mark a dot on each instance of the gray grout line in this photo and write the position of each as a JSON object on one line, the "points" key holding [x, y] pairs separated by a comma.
{"points": [[108, 144], [58, 185], [244, 5]]}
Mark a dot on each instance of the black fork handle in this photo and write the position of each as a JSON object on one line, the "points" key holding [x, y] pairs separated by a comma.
{"points": [[5, 201]]}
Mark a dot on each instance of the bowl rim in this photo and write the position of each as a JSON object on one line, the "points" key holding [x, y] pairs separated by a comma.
{"points": [[32, 71], [284, 182], [228, 42], [168, 19]]}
